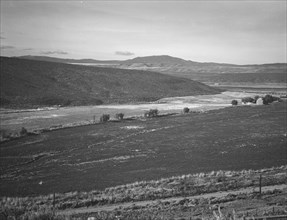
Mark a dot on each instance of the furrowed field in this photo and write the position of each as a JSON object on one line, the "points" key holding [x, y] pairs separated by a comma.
{"points": [[102, 155]]}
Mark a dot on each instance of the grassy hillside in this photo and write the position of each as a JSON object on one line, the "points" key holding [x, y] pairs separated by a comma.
{"points": [[259, 77], [60, 60], [199, 71], [180, 197], [211, 72], [29, 83]]}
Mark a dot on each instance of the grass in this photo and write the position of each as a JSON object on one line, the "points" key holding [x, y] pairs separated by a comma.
{"points": [[271, 76], [41, 207], [111, 154]]}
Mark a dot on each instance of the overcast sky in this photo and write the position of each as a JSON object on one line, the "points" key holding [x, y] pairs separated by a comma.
{"points": [[240, 32]]}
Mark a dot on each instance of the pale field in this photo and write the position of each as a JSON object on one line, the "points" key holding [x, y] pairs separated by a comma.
{"points": [[35, 119]]}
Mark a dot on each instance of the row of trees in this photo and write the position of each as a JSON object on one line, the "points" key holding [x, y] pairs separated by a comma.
{"points": [[147, 114], [151, 113], [120, 116], [106, 117], [267, 99]]}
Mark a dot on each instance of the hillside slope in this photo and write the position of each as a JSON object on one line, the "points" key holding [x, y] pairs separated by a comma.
{"points": [[61, 60], [200, 71], [29, 83], [210, 72]]}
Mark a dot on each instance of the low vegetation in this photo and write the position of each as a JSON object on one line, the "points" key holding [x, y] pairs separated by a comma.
{"points": [[104, 118], [179, 186], [120, 116], [151, 113], [267, 99], [6, 135], [185, 110], [234, 102], [96, 156], [248, 100]]}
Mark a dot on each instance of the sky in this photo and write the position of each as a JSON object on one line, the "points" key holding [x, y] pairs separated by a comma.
{"points": [[238, 32]]}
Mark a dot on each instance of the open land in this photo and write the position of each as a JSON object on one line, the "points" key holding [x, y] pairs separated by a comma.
{"points": [[139, 168], [35, 120], [214, 195], [114, 153], [271, 202], [13, 120]]}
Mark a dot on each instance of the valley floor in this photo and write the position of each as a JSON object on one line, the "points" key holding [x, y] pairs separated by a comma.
{"points": [[130, 169], [103, 155]]}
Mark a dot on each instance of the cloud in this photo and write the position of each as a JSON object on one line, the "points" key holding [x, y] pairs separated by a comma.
{"points": [[28, 49], [124, 53], [6, 47], [54, 52], [2, 37]]}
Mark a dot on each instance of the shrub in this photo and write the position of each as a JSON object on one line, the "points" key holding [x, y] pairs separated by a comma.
{"points": [[23, 131], [248, 99], [120, 116], [105, 118], [151, 113], [269, 99], [185, 110], [234, 102], [256, 98]]}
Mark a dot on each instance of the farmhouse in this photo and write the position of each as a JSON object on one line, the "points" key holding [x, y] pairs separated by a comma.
{"points": [[259, 101]]}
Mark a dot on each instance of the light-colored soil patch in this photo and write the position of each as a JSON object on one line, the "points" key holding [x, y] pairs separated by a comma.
{"points": [[115, 159], [132, 127]]}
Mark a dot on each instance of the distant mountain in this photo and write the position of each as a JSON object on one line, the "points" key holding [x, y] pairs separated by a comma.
{"points": [[31, 83], [61, 60], [164, 59], [203, 72], [210, 72]]}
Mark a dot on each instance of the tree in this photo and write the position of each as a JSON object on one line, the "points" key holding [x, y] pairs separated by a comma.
{"points": [[185, 110], [23, 131], [234, 102], [105, 118], [151, 113], [120, 116], [267, 99], [256, 98], [247, 99]]}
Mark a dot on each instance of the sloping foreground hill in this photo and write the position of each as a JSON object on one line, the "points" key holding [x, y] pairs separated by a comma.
{"points": [[30, 83]]}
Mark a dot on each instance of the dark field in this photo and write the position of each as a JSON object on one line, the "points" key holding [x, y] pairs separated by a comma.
{"points": [[103, 155]]}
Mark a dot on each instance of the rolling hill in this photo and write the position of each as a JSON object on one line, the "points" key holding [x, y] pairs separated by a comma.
{"points": [[211, 72], [30, 83], [60, 60], [203, 72]]}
